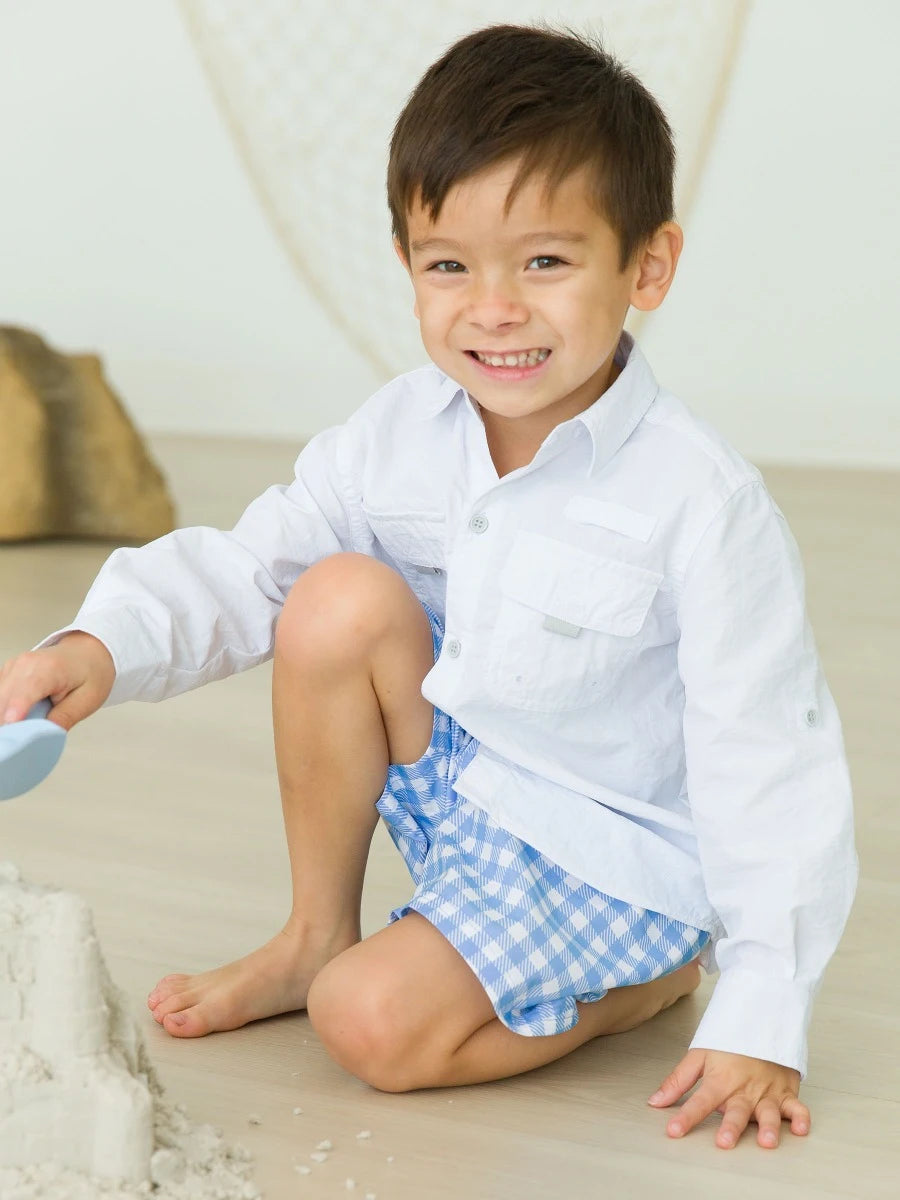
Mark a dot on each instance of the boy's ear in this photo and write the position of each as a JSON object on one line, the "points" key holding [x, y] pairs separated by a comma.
{"points": [[398, 250], [655, 266]]}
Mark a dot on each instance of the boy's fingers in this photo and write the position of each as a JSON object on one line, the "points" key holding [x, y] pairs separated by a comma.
{"points": [[65, 716], [18, 709], [737, 1115], [77, 678], [26, 680], [768, 1118], [693, 1111], [798, 1115], [73, 707], [680, 1081], [15, 705]]}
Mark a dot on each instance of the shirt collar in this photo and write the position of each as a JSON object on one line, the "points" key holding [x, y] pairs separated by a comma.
{"points": [[613, 418], [610, 420], [446, 391]]}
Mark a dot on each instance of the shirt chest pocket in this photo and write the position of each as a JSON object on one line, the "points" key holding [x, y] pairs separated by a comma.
{"points": [[413, 543], [569, 625]]}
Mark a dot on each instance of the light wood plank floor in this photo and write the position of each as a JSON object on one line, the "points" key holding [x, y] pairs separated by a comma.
{"points": [[166, 819]]}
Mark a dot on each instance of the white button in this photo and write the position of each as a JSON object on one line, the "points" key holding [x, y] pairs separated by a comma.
{"points": [[812, 717], [453, 648], [479, 523]]}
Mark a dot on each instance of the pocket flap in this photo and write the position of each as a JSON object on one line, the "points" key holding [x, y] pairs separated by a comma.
{"points": [[587, 510], [416, 538], [577, 587]]}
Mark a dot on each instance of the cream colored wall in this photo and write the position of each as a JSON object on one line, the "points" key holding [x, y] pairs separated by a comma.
{"points": [[128, 226], [781, 327]]}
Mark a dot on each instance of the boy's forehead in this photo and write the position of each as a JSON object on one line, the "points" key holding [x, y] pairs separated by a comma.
{"points": [[485, 199]]}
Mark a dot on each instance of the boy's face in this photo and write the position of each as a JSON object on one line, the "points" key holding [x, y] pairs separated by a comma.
{"points": [[524, 309]]}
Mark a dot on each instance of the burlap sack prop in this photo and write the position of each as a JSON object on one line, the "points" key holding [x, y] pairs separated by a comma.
{"points": [[71, 462]]}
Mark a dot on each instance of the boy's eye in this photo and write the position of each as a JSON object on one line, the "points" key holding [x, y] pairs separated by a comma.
{"points": [[447, 266], [544, 261]]}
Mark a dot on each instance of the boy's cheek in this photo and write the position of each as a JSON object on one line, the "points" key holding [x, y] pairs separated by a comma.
{"points": [[431, 343], [429, 328]]}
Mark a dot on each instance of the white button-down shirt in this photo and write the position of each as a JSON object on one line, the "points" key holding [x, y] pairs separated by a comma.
{"points": [[625, 635]]}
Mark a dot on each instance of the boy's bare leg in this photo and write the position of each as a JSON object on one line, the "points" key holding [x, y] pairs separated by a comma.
{"points": [[403, 1010], [353, 645]]}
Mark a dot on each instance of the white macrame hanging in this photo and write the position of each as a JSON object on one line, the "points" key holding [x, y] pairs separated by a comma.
{"points": [[311, 89]]}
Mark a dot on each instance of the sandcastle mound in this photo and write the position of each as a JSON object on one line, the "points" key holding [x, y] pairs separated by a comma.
{"points": [[82, 1112]]}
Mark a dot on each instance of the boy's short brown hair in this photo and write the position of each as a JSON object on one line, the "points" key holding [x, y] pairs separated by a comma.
{"points": [[559, 101]]}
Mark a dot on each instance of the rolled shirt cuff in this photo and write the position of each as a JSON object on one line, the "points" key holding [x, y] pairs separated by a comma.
{"points": [[759, 1016], [135, 655]]}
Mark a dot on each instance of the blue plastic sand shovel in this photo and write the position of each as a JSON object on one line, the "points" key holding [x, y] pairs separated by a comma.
{"points": [[29, 750]]}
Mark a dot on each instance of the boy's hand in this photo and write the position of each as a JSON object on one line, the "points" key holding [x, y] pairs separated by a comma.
{"points": [[77, 674], [744, 1089]]}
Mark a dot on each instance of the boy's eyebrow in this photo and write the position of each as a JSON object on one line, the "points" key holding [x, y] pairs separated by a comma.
{"points": [[544, 235], [553, 235], [435, 244]]}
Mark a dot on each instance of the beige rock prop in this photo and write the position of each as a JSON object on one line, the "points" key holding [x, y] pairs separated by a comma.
{"points": [[72, 463]]}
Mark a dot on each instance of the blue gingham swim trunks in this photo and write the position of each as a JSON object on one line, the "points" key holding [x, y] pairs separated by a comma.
{"points": [[537, 938]]}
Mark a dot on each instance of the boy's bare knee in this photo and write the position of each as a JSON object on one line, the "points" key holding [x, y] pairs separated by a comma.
{"points": [[360, 1027], [340, 606]]}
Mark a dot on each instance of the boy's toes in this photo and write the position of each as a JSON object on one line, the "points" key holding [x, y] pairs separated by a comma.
{"points": [[189, 1022], [171, 1005], [166, 987]]}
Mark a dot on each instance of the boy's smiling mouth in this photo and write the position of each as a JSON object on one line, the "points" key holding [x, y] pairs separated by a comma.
{"points": [[510, 358]]}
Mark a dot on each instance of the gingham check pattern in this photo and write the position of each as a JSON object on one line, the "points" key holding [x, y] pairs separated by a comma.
{"points": [[537, 938]]}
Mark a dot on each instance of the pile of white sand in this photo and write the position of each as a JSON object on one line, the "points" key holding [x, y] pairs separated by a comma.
{"points": [[82, 1112]]}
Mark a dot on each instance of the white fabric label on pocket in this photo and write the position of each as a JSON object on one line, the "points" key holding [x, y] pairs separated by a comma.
{"points": [[556, 625], [617, 517]]}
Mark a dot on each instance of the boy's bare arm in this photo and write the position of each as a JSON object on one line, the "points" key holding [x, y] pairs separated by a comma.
{"points": [[743, 1089], [77, 674]]}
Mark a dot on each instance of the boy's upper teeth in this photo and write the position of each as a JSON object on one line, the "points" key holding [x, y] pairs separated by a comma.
{"points": [[521, 358]]}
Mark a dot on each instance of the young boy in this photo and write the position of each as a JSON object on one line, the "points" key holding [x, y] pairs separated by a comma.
{"points": [[623, 754]]}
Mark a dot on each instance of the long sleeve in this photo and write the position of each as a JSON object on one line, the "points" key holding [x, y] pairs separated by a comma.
{"points": [[200, 603], [767, 781]]}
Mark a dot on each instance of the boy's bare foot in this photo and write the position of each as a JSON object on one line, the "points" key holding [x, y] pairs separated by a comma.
{"points": [[273, 979]]}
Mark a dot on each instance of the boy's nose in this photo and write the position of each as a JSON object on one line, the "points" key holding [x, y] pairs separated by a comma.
{"points": [[497, 315], [496, 310]]}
